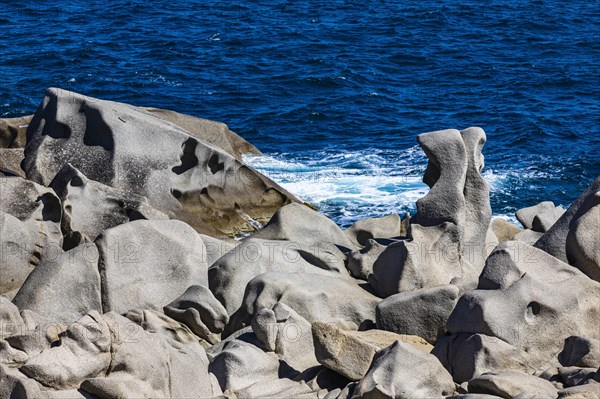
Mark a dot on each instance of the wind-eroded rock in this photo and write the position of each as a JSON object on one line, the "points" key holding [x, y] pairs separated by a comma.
{"points": [[447, 239], [182, 167]]}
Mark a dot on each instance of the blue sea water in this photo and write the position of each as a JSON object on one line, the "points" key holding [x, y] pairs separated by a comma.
{"points": [[334, 92]]}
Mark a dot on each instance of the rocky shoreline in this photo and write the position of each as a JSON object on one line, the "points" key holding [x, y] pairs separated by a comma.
{"points": [[120, 277]]}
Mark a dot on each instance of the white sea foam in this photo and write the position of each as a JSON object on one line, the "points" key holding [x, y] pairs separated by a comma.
{"points": [[347, 186]]}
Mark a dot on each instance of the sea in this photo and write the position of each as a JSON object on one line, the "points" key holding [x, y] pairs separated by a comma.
{"points": [[335, 92]]}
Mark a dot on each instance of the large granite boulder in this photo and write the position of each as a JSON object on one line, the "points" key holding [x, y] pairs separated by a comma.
{"points": [[63, 289], [143, 152], [305, 226], [29, 229], [447, 239], [149, 263], [230, 274], [350, 353], [540, 217], [422, 312], [574, 238], [522, 291], [315, 297]]}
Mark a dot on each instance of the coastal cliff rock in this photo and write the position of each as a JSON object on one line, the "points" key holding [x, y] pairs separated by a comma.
{"points": [[150, 154]]}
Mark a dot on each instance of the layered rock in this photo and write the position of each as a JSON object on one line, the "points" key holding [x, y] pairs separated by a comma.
{"points": [[447, 241], [144, 153]]}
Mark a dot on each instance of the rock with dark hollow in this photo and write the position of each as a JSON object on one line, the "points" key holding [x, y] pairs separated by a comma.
{"points": [[143, 152], [523, 290]]}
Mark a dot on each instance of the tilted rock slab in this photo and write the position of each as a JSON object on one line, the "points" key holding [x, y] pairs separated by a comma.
{"points": [[350, 353], [143, 152], [447, 239], [575, 237]]}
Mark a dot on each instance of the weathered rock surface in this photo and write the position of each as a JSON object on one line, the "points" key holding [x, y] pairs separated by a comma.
{"points": [[447, 240], [13, 131], [230, 274], [110, 356], [29, 229], [360, 262], [10, 162], [285, 332], [240, 364], [528, 236], [63, 289], [422, 312], [389, 226], [503, 229], [562, 240], [315, 297], [523, 290], [149, 263], [143, 152], [305, 226], [540, 217], [90, 207], [350, 353], [512, 383], [403, 371], [198, 309]]}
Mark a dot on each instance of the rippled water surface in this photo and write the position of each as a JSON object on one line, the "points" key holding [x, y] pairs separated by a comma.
{"points": [[335, 92]]}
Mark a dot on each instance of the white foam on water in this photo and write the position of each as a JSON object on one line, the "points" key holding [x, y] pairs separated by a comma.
{"points": [[348, 186]]}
